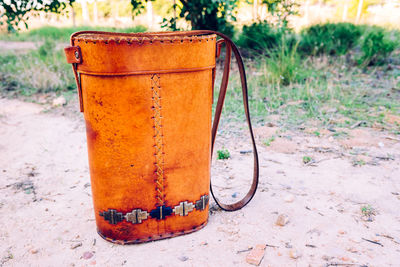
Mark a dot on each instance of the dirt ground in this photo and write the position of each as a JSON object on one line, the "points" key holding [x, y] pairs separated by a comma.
{"points": [[7, 45], [341, 208]]}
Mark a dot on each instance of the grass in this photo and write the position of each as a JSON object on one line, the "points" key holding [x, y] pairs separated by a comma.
{"points": [[358, 163], [368, 213], [307, 159], [43, 70], [38, 71], [268, 141], [223, 154], [327, 90], [62, 34]]}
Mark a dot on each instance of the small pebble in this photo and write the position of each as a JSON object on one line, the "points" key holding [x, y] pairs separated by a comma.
{"points": [[87, 255], [34, 251], [74, 246], [59, 101], [183, 258], [289, 198], [294, 254], [327, 258], [256, 255], [352, 250], [345, 258], [282, 220]]}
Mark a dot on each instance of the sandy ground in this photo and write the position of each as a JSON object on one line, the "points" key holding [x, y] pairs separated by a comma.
{"points": [[46, 216], [25, 45], [7, 45]]}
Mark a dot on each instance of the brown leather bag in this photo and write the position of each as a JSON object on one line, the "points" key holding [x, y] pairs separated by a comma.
{"points": [[147, 103]]}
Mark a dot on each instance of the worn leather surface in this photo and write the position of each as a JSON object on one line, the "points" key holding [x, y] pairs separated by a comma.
{"points": [[73, 54], [120, 122], [125, 90]]}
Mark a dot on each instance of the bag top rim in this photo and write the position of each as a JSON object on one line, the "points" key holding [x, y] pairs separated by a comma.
{"points": [[100, 36]]}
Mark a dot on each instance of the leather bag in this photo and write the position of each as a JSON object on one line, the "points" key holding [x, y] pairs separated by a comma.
{"points": [[147, 103]]}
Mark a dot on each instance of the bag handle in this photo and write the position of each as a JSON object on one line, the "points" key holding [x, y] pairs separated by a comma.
{"points": [[230, 46], [74, 56]]}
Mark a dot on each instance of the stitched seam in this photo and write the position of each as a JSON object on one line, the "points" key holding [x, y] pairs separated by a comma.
{"points": [[140, 40], [158, 138], [147, 72]]}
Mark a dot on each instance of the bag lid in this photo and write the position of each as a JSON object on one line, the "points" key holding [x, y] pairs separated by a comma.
{"points": [[105, 53]]}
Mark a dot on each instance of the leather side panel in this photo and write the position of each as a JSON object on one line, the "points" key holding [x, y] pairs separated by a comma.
{"points": [[120, 144], [120, 133], [187, 128]]}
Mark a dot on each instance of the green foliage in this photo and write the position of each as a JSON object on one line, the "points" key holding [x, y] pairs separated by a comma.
{"points": [[307, 159], [38, 71], [367, 210], [206, 15], [329, 38], [260, 36], [282, 10], [376, 47], [16, 11], [324, 90], [223, 154], [268, 141], [358, 162], [138, 6], [284, 65]]}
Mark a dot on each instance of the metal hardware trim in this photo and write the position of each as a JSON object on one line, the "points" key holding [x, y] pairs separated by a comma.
{"points": [[137, 216]]}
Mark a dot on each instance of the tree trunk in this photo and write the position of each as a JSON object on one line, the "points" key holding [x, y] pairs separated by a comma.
{"points": [[359, 10], [255, 10], [115, 13], [345, 10], [174, 9], [306, 12], [149, 14], [85, 12], [95, 13], [73, 16]]}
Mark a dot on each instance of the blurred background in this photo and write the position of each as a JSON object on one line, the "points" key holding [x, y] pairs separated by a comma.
{"points": [[328, 63], [159, 14]]}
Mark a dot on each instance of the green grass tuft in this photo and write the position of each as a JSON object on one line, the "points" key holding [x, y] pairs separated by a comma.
{"points": [[38, 71], [223, 154]]}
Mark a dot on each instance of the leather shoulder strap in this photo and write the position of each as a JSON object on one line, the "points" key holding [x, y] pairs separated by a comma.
{"points": [[230, 46]]}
